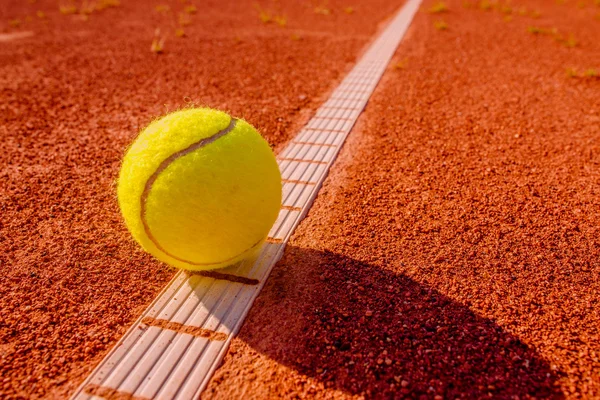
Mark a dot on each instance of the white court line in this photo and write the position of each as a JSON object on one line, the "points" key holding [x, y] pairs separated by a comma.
{"points": [[173, 349]]}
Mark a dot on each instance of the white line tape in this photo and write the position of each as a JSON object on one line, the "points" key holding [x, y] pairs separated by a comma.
{"points": [[173, 349]]}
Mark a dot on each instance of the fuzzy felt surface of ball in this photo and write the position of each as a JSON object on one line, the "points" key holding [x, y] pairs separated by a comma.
{"points": [[199, 189]]}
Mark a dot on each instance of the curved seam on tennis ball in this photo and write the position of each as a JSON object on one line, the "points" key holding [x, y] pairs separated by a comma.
{"points": [[163, 165]]}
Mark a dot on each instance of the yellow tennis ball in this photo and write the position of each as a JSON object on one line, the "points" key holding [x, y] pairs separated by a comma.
{"points": [[199, 189]]}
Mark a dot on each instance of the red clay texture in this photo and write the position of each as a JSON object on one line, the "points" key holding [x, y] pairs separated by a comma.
{"points": [[74, 95], [453, 252]]}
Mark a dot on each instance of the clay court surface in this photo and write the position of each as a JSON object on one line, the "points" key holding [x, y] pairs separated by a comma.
{"points": [[452, 252]]}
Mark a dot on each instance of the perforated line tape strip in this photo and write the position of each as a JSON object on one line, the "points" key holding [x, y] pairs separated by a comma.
{"points": [[175, 356]]}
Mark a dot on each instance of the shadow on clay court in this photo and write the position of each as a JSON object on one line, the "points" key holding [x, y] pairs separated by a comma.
{"points": [[367, 330]]}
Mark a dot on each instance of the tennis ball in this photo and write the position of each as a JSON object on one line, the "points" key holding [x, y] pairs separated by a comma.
{"points": [[199, 189]]}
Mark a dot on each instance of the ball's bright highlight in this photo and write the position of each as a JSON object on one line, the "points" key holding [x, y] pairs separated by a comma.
{"points": [[199, 189]]}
